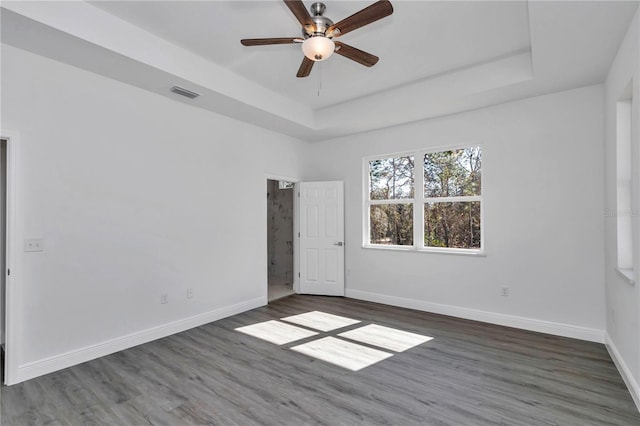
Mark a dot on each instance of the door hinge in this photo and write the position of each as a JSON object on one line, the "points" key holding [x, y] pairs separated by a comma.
{"points": [[298, 235], [8, 271], [298, 274]]}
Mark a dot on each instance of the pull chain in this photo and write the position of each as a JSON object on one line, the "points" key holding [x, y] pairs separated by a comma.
{"points": [[319, 78]]}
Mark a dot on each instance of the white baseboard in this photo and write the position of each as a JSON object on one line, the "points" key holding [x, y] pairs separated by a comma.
{"points": [[628, 378], [564, 330], [58, 362]]}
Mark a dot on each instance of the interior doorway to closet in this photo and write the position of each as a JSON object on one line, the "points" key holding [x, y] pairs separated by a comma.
{"points": [[280, 216], [3, 237]]}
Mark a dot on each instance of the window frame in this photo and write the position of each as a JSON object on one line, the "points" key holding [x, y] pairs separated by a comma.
{"points": [[389, 201], [420, 200], [625, 253]]}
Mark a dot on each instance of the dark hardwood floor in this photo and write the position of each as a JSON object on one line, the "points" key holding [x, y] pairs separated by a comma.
{"points": [[470, 374]]}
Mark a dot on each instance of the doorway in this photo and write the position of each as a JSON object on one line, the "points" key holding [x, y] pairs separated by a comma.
{"points": [[3, 250], [3, 237], [280, 248]]}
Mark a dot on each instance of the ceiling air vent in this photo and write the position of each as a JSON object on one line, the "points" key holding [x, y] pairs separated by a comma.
{"points": [[184, 92]]}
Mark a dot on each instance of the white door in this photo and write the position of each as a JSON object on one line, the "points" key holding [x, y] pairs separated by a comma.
{"points": [[321, 238]]}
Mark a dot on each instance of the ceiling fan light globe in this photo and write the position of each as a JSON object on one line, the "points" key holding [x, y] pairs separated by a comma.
{"points": [[318, 48]]}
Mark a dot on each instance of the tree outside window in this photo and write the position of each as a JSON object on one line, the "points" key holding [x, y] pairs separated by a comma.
{"points": [[392, 186], [452, 189], [445, 214]]}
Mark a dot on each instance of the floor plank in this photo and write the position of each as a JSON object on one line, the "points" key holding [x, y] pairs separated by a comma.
{"points": [[470, 373]]}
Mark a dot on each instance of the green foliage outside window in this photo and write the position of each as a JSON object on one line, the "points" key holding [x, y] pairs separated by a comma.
{"points": [[392, 224], [455, 173], [453, 225], [391, 179], [452, 199]]}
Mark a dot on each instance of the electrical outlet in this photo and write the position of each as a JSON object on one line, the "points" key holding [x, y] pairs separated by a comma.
{"points": [[164, 298], [189, 293], [504, 291], [33, 244]]}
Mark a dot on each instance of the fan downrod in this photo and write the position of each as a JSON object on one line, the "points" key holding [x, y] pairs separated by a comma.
{"points": [[322, 23], [318, 8]]}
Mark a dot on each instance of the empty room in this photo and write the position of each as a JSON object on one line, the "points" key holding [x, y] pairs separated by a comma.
{"points": [[320, 213]]}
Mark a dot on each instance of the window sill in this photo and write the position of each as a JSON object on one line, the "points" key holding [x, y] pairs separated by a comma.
{"points": [[456, 252], [626, 274]]}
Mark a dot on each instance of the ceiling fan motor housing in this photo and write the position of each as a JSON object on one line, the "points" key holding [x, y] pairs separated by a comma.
{"points": [[322, 23]]}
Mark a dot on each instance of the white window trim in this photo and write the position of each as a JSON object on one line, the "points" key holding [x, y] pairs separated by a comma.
{"points": [[419, 199], [625, 253], [394, 201], [626, 274]]}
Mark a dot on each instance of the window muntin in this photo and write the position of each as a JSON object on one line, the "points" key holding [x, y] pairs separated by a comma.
{"points": [[445, 215]]}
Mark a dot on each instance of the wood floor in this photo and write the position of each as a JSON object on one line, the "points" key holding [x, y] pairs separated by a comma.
{"points": [[469, 374]]}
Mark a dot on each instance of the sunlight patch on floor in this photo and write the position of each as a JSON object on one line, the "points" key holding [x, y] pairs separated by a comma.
{"points": [[321, 321], [339, 349], [386, 337], [276, 332], [342, 353]]}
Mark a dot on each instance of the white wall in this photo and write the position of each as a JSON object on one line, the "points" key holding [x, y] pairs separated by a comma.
{"points": [[622, 297], [134, 195], [543, 210]]}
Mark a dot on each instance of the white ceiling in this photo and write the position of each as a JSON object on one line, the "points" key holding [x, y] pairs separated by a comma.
{"points": [[419, 40], [436, 57]]}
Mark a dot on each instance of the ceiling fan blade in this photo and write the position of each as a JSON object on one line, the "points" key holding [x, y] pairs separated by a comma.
{"points": [[360, 56], [300, 11], [305, 67], [266, 41], [369, 14]]}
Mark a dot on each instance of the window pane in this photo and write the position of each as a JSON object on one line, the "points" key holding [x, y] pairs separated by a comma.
{"points": [[392, 224], [454, 225], [453, 173], [391, 178]]}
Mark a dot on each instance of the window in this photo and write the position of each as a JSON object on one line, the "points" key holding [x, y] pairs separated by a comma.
{"points": [[391, 191], [624, 193], [452, 185], [435, 206]]}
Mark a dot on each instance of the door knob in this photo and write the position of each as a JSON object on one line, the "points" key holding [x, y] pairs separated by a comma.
{"points": [[339, 243]]}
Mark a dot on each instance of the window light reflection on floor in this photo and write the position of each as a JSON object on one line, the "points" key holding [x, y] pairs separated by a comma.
{"points": [[338, 350], [344, 354], [386, 337], [321, 320], [276, 332]]}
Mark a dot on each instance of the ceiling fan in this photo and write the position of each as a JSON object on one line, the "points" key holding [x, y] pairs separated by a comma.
{"points": [[318, 33]]}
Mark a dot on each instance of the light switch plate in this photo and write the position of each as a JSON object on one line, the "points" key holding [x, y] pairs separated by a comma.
{"points": [[33, 244]]}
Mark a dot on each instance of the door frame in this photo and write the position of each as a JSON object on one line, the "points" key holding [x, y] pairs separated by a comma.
{"points": [[296, 230], [13, 306]]}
